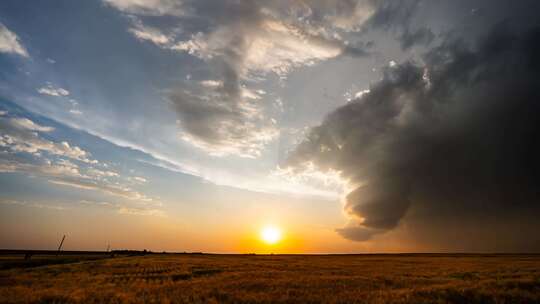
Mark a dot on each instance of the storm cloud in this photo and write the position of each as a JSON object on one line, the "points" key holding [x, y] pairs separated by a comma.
{"points": [[452, 137], [446, 134]]}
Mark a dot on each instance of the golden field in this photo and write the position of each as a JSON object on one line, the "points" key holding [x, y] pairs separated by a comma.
{"points": [[201, 278]]}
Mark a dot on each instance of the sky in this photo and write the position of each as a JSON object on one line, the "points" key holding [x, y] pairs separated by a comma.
{"points": [[192, 125]]}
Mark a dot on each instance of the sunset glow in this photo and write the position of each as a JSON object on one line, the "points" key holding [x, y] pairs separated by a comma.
{"points": [[265, 151], [271, 235], [248, 126]]}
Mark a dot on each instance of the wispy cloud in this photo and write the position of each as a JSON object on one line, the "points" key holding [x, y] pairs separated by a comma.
{"points": [[139, 179], [18, 135], [75, 112], [242, 42], [148, 7], [32, 205], [126, 210], [108, 188], [60, 162], [139, 211], [51, 90], [148, 33], [27, 124], [10, 43]]}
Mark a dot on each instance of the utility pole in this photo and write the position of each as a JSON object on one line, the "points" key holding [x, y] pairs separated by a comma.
{"points": [[61, 243]]}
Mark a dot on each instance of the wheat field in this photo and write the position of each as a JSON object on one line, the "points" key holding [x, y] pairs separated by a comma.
{"points": [[201, 278]]}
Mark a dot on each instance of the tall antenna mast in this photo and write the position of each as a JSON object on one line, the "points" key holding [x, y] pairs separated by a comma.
{"points": [[108, 247], [61, 243]]}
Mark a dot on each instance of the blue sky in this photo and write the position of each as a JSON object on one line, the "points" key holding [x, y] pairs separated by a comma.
{"points": [[117, 88], [177, 118]]}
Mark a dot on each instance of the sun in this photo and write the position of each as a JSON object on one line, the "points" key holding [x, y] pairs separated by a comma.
{"points": [[270, 235]]}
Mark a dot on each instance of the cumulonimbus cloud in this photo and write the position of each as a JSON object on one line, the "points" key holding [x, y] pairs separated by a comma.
{"points": [[453, 137]]}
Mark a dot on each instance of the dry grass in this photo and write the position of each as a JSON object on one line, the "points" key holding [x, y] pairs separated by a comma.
{"points": [[280, 279]]}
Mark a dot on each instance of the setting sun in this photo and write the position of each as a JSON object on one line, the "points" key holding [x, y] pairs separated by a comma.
{"points": [[270, 235]]}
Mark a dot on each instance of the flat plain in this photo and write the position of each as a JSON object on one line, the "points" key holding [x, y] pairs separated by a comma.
{"points": [[205, 278]]}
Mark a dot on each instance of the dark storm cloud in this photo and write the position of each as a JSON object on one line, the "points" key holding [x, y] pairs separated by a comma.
{"points": [[391, 14], [420, 36], [455, 137], [400, 17]]}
